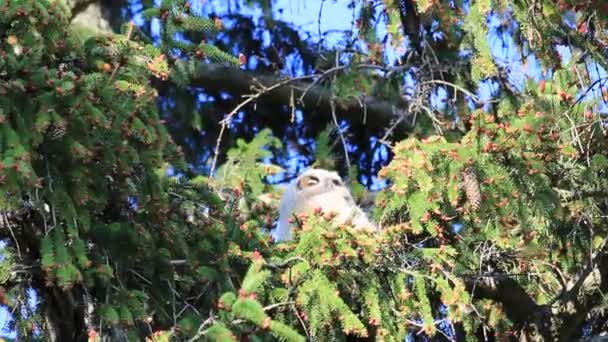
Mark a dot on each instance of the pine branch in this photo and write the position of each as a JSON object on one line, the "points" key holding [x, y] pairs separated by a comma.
{"points": [[572, 37]]}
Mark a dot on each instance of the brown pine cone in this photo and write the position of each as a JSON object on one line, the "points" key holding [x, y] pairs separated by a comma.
{"points": [[471, 187]]}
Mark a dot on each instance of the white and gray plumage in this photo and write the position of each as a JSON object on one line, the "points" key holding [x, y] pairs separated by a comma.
{"points": [[318, 188]]}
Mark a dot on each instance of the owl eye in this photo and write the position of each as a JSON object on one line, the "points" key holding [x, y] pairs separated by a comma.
{"points": [[307, 181], [312, 180], [336, 182]]}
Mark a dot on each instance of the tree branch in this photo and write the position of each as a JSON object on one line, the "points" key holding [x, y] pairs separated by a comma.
{"points": [[216, 77], [410, 22], [78, 6], [583, 295], [89, 14], [563, 319], [518, 305]]}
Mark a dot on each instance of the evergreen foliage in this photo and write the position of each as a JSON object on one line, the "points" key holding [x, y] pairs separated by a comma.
{"points": [[97, 195], [120, 240]]}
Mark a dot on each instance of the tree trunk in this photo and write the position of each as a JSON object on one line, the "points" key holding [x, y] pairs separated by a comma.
{"points": [[63, 314], [90, 14]]}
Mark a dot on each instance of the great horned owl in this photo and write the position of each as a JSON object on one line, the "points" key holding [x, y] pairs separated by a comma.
{"points": [[318, 188]]}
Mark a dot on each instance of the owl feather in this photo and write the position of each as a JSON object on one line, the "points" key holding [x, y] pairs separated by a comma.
{"points": [[319, 189]]}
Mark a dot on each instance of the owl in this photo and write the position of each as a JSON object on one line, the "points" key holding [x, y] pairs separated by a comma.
{"points": [[318, 188]]}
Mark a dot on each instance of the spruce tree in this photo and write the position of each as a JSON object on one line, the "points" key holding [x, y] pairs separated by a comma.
{"points": [[493, 221]]}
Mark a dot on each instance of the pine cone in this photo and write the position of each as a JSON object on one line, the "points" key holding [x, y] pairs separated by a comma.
{"points": [[56, 132], [471, 187]]}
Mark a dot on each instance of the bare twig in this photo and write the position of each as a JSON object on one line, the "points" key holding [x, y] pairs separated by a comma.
{"points": [[277, 305], [202, 329], [249, 98], [455, 86], [140, 276], [285, 263], [177, 262], [118, 65], [6, 222], [332, 104], [319, 24], [295, 311]]}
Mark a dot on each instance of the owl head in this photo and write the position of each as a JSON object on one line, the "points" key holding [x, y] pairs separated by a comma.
{"points": [[322, 189], [317, 181]]}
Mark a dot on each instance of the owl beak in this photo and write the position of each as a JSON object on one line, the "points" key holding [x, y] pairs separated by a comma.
{"points": [[299, 184]]}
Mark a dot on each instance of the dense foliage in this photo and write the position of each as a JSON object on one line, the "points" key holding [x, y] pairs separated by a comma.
{"points": [[494, 222]]}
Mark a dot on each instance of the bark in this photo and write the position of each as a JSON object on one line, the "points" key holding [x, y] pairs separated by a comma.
{"points": [[561, 320], [63, 314], [90, 14], [582, 296], [410, 22], [375, 113], [515, 301]]}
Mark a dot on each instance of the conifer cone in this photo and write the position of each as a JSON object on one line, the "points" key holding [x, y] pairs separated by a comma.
{"points": [[471, 187], [56, 132]]}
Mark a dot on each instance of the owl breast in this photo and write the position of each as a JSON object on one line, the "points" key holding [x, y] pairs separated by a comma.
{"points": [[337, 201]]}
